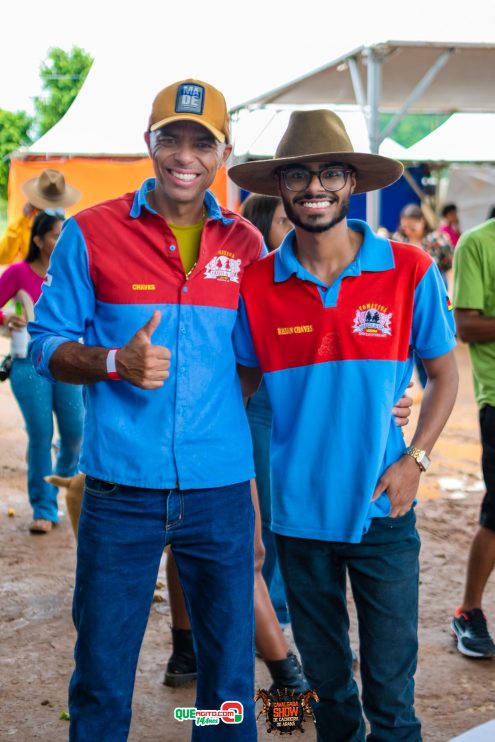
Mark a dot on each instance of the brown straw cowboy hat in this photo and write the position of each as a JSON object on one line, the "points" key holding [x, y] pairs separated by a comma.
{"points": [[318, 135], [50, 191]]}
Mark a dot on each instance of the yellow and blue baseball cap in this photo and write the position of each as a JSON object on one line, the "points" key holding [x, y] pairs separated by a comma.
{"points": [[192, 100]]}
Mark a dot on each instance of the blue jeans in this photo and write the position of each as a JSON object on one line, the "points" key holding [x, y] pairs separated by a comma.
{"points": [[122, 534], [38, 399], [384, 574]]}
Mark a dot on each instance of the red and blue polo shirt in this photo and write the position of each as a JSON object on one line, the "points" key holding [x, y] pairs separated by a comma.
{"points": [[114, 264], [335, 360]]}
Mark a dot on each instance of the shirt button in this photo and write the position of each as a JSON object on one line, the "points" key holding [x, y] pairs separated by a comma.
{"points": [[183, 330], [171, 247], [184, 289]]}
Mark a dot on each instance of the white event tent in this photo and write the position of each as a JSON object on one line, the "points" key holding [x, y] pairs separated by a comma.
{"points": [[465, 146], [399, 77], [104, 124]]}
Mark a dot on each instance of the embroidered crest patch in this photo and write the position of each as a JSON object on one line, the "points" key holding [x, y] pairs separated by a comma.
{"points": [[373, 320], [223, 268]]}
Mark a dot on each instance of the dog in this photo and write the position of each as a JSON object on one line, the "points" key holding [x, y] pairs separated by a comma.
{"points": [[73, 496]]}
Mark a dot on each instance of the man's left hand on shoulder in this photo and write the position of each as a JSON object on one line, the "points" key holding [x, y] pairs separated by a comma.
{"points": [[401, 482]]}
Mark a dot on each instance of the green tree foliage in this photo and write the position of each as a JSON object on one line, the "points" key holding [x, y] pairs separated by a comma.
{"points": [[413, 127], [14, 132], [62, 75]]}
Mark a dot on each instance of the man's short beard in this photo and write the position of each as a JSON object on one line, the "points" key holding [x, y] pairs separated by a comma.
{"points": [[317, 228]]}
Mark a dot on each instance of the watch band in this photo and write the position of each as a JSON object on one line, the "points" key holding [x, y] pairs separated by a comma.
{"points": [[111, 365], [420, 457]]}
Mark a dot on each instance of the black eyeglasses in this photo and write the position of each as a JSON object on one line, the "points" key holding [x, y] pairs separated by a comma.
{"points": [[299, 178]]}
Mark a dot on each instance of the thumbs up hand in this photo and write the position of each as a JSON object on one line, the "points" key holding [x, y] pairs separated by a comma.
{"points": [[141, 363]]}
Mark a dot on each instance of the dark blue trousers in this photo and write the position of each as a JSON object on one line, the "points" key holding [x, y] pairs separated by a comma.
{"points": [[384, 575]]}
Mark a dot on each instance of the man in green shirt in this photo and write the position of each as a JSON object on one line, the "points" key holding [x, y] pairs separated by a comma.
{"points": [[474, 301]]}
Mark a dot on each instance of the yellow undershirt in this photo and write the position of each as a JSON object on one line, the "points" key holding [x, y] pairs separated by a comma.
{"points": [[188, 240]]}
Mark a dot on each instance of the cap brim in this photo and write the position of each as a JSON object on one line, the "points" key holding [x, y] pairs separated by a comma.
{"points": [[70, 196], [372, 171], [220, 136]]}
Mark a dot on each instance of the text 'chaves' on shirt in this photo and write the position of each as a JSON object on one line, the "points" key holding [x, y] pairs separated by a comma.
{"points": [[335, 360], [114, 264]]}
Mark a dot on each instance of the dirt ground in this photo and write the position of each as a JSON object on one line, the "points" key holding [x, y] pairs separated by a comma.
{"points": [[36, 581]]}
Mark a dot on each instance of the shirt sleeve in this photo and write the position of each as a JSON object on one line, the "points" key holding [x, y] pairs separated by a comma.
{"points": [[469, 291], [433, 327], [14, 245], [242, 339], [67, 302]]}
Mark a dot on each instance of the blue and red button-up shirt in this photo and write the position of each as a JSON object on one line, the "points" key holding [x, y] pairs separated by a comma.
{"points": [[114, 264], [335, 360]]}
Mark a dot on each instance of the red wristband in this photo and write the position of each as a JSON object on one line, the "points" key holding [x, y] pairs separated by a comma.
{"points": [[111, 365]]}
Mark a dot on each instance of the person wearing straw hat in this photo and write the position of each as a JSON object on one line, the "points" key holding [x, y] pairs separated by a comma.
{"points": [[331, 318], [47, 192]]}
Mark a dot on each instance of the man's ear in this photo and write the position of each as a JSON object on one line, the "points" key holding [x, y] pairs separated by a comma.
{"points": [[226, 153], [353, 181], [147, 140]]}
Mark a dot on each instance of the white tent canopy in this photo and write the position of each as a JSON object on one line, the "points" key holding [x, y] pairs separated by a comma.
{"points": [[101, 121], [472, 189], [256, 133], [463, 79], [398, 76], [464, 137], [109, 114], [465, 144]]}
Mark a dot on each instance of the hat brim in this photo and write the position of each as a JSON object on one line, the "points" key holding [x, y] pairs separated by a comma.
{"points": [[220, 136], [31, 189], [372, 171]]}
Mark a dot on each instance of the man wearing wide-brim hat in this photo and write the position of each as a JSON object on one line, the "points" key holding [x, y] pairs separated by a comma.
{"points": [[49, 191], [331, 318]]}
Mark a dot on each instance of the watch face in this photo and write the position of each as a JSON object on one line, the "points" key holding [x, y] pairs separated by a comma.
{"points": [[424, 460], [420, 457]]}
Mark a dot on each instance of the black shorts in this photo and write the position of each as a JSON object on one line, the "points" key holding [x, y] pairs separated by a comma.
{"points": [[487, 425]]}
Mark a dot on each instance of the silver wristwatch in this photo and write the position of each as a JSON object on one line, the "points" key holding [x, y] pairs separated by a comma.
{"points": [[419, 456]]}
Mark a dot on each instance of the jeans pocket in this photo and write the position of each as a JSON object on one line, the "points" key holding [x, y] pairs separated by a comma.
{"points": [[99, 487], [400, 520]]}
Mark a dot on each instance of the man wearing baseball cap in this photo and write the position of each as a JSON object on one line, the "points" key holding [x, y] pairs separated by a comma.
{"points": [[332, 319], [47, 192], [150, 282]]}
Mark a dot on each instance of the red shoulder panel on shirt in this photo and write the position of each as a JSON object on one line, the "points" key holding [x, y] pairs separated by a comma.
{"points": [[291, 325], [137, 261]]}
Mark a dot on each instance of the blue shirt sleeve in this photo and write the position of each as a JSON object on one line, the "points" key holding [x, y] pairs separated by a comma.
{"points": [[242, 339], [433, 327], [67, 301]]}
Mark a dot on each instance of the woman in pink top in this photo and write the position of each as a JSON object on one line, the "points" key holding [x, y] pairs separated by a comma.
{"points": [[38, 399]]}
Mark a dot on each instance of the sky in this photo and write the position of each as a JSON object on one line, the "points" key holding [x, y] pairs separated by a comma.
{"points": [[245, 48]]}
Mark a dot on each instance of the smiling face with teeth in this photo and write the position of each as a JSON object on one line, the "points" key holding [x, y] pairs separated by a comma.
{"points": [[186, 158], [315, 209]]}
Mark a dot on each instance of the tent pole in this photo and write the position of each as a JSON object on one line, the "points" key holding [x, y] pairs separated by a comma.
{"points": [[422, 85], [357, 83], [373, 120]]}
